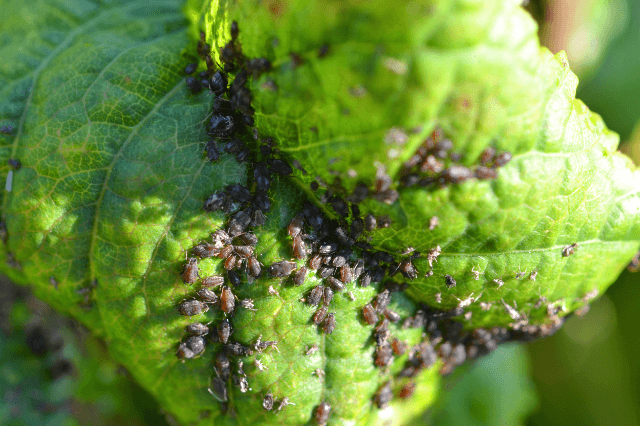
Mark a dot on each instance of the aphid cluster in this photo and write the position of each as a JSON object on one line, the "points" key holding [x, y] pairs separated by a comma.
{"points": [[435, 164]]}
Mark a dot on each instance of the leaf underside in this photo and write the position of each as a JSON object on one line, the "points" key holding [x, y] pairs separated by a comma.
{"points": [[108, 200]]}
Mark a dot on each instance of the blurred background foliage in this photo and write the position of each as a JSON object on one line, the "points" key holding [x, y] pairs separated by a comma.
{"points": [[52, 372]]}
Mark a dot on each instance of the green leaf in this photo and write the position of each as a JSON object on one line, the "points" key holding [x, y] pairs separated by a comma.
{"points": [[108, 200]]}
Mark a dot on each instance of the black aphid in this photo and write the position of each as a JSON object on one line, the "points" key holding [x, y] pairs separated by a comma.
{"points": [[193, 347], [391, 315], [340, 206], [357, 226], [221, 126], [234, 278], [258, 218], [280, 167], [382, 301], [322, 52], [281, 269], [223, 366], [261, 176], [267, 402], [207, 295], [190, 69], [384, 222], [326, 271], [313, 216], [192, 307], [249, 239], [197, 329], [340, 259], [315, 295], [190, 272], [218, 389], [383, 256], [300, 275], [365, 279], [239, 222], [370, 222], [482, 172], [449, 281], [329, 323], [14, 164], [193, 85], [236, 349], [218, 83], [212, 281], [216, 201], [327, 247], [227, 300], [239, 193], [384, 355], [357, 269], [258, 66], [262, 202]]}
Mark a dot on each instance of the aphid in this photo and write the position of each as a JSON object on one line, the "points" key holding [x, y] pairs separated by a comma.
{"points": [[569, 250], [326, 271], [254, 267], [357, 269], [218, 389], [190, 69], [267, 402], [239, 222], [230, 262], [399, 347], [249, 239], [261, 202], [14, 164], [340, 259], [205, 250], [485, 173], [212, 281], [382, 333], [281, 269], [320, 315], [6, 130], [365, 279], [244, 251], [223, 366], [284, 403], [299, 247], [391, 315], [220, 126], [216, 201], [329, 323], [449, 281], [384, 222], [357, 226], [315, 261], [258, 65], [315, 295], [313, 216], [184, 352], [272, 291], [408, 270], [192, 307], [207, 295], [328, 247], [190, 272], [225, 252], [197, 329], [224, 330], [327, 296], [384, 355], [193, 347], [239, 193], [247, 304], [260, 345], [433, 222], [502, 159], [280, 167], [295, 226], [301, 274], [311, 350], [343, 237], [335, 283], [339, 206], [384, 395], [322, 52], [258, 218], [236, 349], [323, 411], [261, 176], [218, 83], [369, 314], [194, 85], [346, 276], [382, 301], [433, 255], [227, 300], [220, 239]]}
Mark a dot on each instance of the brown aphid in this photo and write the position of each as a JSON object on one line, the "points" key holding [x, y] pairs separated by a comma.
{"points": [[327, 296], [384, 395], [224, 330], [300, 275], [206, 295], [346, 275], [407, 390], [316, 261], [205, 250], [267, 402], [320, 315], [295, 226], [225, 252], [249, 239], [299, 247], [322, 413], [212, 281], [569, 250], [230, 262], [254, 267], [329, 323], [190, 272], [192, 307], [384, 355], [244, 251], [227, 300], [369, 314], [315, 295], [399, 347], [282, 269]]}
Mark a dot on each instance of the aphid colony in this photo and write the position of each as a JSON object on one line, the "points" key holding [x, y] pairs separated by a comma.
{"points": [[434, 164], [334, 248]]}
